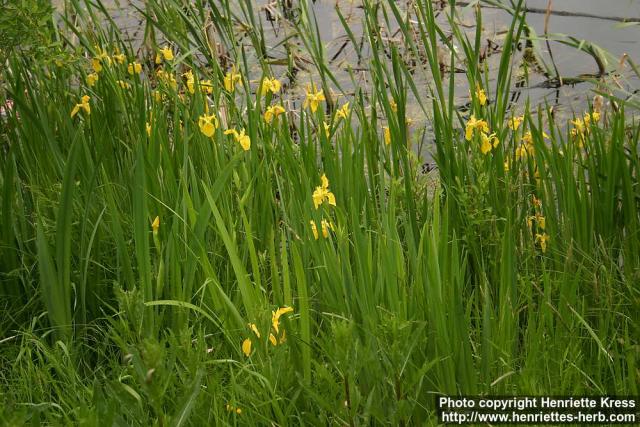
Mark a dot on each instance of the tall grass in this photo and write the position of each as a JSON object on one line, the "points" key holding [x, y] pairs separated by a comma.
{"points": [[511, 270]]}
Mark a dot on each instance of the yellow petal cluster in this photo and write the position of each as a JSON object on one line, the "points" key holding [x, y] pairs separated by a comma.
{"points": [[488, 143], [119, 58], [167, 78], [582, 125], [343, 112], [208, 123], [254, 328], [275, 317], [165, 53], [246, 347], [191, 82], [481, 95], [240, 137], [231, 79], [101, 59], [92, 79], [542, 240], [232, 408], [272, 85], [134, 68], [83, 105], [515, 122], [387, 135], [538, 219], [314, 98], [272, 112], [322, 193], [275, 324], [474, 124], [326, 226]]}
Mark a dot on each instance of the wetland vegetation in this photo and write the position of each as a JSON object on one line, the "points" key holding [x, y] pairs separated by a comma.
{"points": [[229, 220]]}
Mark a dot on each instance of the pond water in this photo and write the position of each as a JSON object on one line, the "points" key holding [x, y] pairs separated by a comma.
{"points": [[602, 26], [600, 22], [597, 21], [602, 29]]}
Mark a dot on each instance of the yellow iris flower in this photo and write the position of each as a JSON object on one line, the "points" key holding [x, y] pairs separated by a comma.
{"points": [[230, 408], [254, 328], [166, 53], [343, 112], [100, 59], [134, 68], [481, 95], [322, 193], [273, 340], [387, 135], [190, 81], [515, 122], [542, 240], [155, 225], [84, 105], [157, 96], [527, 146], [167, 78], [92, 79], [275, 317], [272, 85], [240, 137], [327, 129], [96, 64], [272, 112], [326, 225], [489, 142], [246, 347], [119, 57], [208, 124], [593, 117], [474, 124], [579, 127], [313, 99], [539, 219], [231, 79]]}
